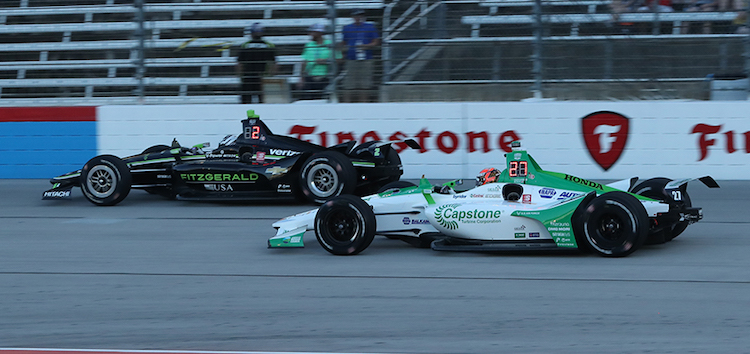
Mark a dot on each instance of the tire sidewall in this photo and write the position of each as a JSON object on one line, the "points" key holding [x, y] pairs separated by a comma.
{"points": [[363, 217], [633, 220], [120, 174], [345, 175]]}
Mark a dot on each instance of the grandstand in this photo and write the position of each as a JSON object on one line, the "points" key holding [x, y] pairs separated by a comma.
{"points": [[88, 51]]}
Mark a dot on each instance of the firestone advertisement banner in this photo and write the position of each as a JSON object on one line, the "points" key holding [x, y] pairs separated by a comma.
{"points": [[596, 140]]}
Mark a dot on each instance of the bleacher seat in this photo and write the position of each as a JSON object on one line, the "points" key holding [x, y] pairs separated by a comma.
{"points": [[189, 45]]}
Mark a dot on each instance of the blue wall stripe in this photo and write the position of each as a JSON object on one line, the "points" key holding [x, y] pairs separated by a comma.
{"points": [[45, 149]]}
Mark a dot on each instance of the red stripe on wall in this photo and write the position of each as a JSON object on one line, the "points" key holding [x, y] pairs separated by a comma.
{"points": [[48, 114]]}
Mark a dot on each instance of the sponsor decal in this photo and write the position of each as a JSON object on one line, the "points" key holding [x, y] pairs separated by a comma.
{"points": [[284, 188], [57, 194], [520, 228], [163, 176], [520, 235], [459, 196], [219, 187], [477, 195], [584, 182], [517, 156], [705, 140], [408, 221], [566, 195], [533, 234], [228, 140], [526, 198], [447, 142], [219, 177], [222, 155], [260, 157], [277, 171], [605, 135], [448, 217], [280, 152], [547, 193], [560, 231]]}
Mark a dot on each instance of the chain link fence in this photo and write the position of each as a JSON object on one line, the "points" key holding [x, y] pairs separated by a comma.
{"points": [[113, 51]]}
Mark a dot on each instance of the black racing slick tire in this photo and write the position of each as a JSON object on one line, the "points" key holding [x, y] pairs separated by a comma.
{"points": [[345, 225], [105, 180], [394, 186], [654, 189], [155, 148], [326, 175], [615, 224]]}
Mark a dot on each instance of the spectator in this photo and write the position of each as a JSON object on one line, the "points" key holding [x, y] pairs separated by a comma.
{"points": [[359, 40], [712, 5], [316, 64], [661, 6], [741, 23], [257, 58]]}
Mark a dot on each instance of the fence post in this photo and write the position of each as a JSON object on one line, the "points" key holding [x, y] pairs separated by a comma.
{"points": [[536, 89], [333, 73], [140, 66]]}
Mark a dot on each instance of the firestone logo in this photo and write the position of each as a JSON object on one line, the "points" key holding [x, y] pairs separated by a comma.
{"points": [[605, 135], [447, 142], [730, 139]]}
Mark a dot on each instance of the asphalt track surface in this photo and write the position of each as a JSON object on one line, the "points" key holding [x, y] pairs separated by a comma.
{"points": [[174, 275]]}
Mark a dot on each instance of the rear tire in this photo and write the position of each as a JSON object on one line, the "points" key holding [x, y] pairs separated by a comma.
{"points": [[326, 175], [105, 180], [654, 188], [615, 224], [345, 225]]}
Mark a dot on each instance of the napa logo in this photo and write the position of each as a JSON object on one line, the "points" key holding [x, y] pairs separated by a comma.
{"points": [[448, 224], [547, 193]]}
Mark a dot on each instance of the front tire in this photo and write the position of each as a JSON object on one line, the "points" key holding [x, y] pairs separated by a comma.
{"points": [[615, 224], [654, 188], [326, 175], [105, 180], [345, 225]]}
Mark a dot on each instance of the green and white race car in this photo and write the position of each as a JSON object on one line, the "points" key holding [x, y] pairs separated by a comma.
{"points": [[521, 208]]}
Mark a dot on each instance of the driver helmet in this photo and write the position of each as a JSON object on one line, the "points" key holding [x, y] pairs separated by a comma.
{"points": [[488, 175]]}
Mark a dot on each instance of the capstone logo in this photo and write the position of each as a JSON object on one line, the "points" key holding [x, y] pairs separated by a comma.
{"points": [[448, 217], [605, 135]]}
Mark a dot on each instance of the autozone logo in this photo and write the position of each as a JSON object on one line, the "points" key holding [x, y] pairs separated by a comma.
{"points": [[447, 141]]}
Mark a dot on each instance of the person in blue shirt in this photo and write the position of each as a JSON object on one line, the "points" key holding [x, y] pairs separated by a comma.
{"points": [[359, 39]]}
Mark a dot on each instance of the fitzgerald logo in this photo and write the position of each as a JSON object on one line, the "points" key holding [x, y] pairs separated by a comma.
{"points": [[605, 134]]}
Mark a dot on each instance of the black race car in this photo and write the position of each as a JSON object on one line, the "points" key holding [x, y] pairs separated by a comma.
{"points": [[256, 164]]}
